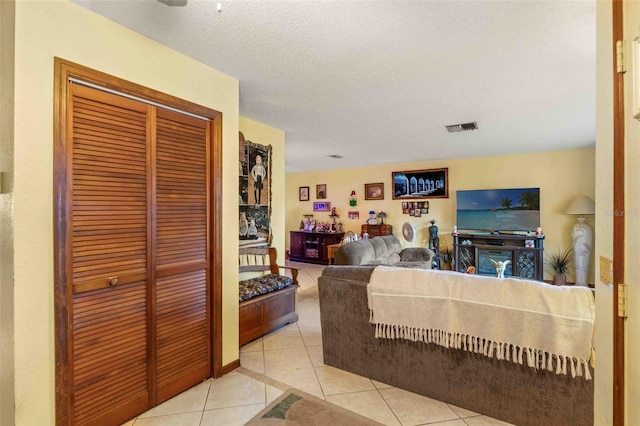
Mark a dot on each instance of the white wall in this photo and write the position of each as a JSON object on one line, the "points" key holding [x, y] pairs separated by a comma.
{"points": [[60, 28]]}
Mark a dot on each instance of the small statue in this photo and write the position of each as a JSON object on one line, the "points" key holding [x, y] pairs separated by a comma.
{"points": [[434, 240], [252, 230], [500, 267], [244, 224], [372, 218]]}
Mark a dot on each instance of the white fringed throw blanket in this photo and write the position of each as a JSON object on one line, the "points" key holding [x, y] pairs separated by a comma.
{"points": [[503, 318]]}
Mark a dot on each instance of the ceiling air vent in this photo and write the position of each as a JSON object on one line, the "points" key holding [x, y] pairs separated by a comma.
{"points": [[462, 127], [336, 156]]}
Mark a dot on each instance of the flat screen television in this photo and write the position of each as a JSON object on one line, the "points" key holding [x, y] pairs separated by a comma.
{"points": [[498, 210]]}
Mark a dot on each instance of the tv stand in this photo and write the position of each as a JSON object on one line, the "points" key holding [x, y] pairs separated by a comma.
{"points": [[526, 254]]}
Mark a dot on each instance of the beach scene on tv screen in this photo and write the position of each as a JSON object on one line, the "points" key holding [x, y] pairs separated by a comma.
{"points": [[515, 209]]}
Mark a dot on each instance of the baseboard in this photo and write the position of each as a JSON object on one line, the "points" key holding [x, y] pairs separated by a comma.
{"points": [[229, 367]]}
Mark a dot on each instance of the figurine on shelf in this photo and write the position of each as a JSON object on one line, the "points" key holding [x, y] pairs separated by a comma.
{"points": [[309, 223], [372, 218], [252, 230], [323, 227], [501, 267], [244, 224]]}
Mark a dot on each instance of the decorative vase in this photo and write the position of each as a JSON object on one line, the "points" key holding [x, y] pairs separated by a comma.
{"points": [[559, 279]]}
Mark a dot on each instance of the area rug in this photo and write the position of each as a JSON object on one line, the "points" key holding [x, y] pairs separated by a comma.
{"points": [[295, 407]]}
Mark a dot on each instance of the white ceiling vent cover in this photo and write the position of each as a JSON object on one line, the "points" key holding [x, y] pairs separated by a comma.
{"points": [[452, 128]]}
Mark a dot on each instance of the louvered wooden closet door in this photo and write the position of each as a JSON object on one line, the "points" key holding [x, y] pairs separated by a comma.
{"points": [[182, 176], [110, 244], [139, 215]]}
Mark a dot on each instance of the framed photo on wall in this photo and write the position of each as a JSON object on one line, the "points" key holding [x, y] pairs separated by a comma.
{"points": [[420, 184], [303, 193], [321, 191], [321, 206], [374, 191]]}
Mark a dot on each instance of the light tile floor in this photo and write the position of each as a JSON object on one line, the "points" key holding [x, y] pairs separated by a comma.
{"points": [[292, 357]]}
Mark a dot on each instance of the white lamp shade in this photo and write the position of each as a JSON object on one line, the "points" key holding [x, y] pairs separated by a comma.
{"points": [[581, 205]]}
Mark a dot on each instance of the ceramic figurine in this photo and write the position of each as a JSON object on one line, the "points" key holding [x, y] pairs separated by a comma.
{"points": [[372, 218], [500, 267]]}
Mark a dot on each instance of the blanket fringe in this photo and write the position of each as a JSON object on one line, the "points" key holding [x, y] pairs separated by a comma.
{"points": [[536, 359]]}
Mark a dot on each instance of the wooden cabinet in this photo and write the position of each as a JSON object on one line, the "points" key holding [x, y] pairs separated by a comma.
{"points": [[526, 254], [311, 247], [377, 230]]}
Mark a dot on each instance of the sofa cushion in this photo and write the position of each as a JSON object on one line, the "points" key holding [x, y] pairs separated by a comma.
{"points": [[384, 250], [358, 252], [262, 285]]}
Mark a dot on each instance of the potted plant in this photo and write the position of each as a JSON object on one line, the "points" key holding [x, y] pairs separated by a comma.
{"points": [[560, 263]]}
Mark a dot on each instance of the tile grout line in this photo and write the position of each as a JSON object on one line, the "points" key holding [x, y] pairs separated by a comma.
{"points": [[387, 403], [263, 378]]}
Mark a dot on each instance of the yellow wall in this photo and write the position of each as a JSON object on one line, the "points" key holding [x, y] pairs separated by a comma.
{"points": [[560, 175], [632, 214], [60, 28], [6, 212], [260, 133]]}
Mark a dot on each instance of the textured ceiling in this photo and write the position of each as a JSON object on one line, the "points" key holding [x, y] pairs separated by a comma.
{"points": [[377, 81]]}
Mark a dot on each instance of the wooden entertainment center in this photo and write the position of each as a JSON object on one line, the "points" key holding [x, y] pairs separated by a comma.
{"points": [[311, 247], [526, 254]]}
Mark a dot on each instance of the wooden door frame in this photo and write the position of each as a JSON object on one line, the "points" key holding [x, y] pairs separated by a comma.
{"points": [[618, 220], [63, 71]]}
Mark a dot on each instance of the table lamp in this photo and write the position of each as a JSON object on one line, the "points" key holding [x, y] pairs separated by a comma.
{"points": [[582, 235], [382, 215]]}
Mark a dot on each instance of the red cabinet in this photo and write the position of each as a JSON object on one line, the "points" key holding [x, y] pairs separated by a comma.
{"points": [[311, 247], [377, 230]]}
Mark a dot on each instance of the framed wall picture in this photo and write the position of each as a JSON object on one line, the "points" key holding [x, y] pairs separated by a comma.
{"points": [[374, 191], [420, 184], [321, 191], [321, 206], [303, 193], [254, 195]]}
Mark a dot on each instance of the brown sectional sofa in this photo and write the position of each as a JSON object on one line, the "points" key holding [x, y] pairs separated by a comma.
{"points": [[497, 388]]}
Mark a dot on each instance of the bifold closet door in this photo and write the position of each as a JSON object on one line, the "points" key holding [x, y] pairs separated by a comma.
{"points": [[109, 164], [182, 300], [138, 238]]}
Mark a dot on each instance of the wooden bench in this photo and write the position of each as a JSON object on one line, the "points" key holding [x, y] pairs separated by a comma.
{"points": [[266, 312]]}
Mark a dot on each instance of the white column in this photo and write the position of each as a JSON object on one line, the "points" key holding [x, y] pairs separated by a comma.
{"points": [[582, 240]]}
